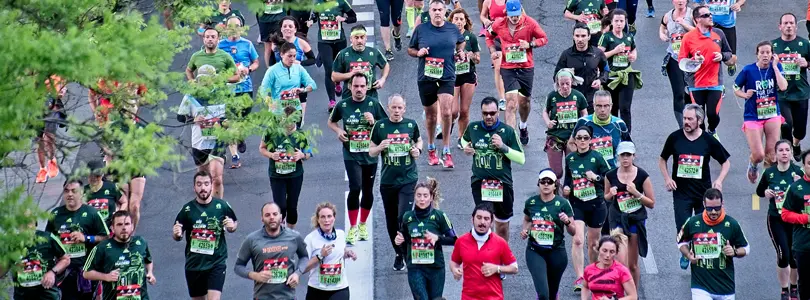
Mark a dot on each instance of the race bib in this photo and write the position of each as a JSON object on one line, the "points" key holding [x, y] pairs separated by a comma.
{"points": [[779, 200], [675, 39], [203, 241], [690, 166], [400, 145], [74, 249], [128, 292], [707, 245], [273, 8], [584, 189], [542, 232], [492, 190], [719, 8], [462, 63], [628, 203], [593, 22], [514, 54], [330, 29], [290, 98], [421, 251], [621, 59], [330, 274], [790, 63], [101, 205], [567, 112], [434, 67], [359, 141], [31, 273], [603, 145], [766, 108], [364, 67], [208, 139], [278, 269], [286, 164]]}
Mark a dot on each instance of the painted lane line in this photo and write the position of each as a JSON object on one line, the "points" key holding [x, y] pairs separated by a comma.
{"points": [[362, 2], [370, 44], [649, 263], [754, 202], [365, 16], [360, 273]]}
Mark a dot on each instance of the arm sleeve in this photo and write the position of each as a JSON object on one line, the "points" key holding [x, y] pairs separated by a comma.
{"points": [[448, 236], [310, 58], [791, 211], [240, 267], [351, 16], [762, 186]]}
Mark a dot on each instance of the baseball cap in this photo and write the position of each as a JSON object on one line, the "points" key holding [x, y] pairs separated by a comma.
{"points": [[513, 8], [206, 70], [626, 147], [548, 173], [96, 167]]}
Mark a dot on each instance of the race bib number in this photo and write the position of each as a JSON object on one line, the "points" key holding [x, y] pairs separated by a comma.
{"points": [[690, 166], [421, 251], [621, 59], [492, 190], [542, 232], [675, 39], [584, 189], [719, 8], [514, 54], [73, 248], [779, 200], [290, 98], [128, 292], [628, 203], [462, 63], [790, 63], [330, 29], [400, 145], [273, 8], [594, 23], [278, 269], [567, 112], [364, 67], [208, 139], [286, 164], [101, 205], [603, 145], [434, 67], [31, 273], [707, 245], [203, 241], [359, 141], [766, 108], [330, 274]]}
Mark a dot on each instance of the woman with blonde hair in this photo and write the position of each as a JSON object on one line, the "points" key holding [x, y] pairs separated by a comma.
{"points": [[326, 246]]}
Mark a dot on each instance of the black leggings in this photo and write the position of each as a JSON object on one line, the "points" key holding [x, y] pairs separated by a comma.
{"points": [[677, 83], [301, 17], [361, 178], [684, 208], [327, 53], [731, 37], [285, 194], [795, 114], [390, 11], [631, 6], [622, 100], [782, 237], [316, 294], [396, 201], [547, 267], [710, 100], [803, 259]]}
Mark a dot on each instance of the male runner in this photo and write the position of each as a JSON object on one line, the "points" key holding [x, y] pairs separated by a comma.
{"points": [[608, 131], [358, 115], [122, 264], [793, 52], [711, 241], [493, 147], [101, 194], [724, 16], [360, 59], [588, 13], [398, 140], [211, 55], [796, 210], [435, 45], [203, 222], [79, 227], [278, 254], [518, 34], [588, 63], [39, 267]]}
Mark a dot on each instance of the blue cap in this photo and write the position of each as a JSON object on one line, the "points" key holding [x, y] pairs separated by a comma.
{"points": [[513, 8]]}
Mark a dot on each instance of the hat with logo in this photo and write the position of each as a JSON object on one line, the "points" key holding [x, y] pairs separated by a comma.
{"points": [[513, 8]]}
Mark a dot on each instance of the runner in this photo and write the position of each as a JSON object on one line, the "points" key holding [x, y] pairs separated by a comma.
{"points": [[620, 49], [494, 147], [225, 12], [79, 228], [436, 45], [608, 278], [360, 59], [491, 11], [796, 211], [584, 169], [423, 232], [211, 55], [519, 34], [399, 141], [245, 57], [479, 254], [330, 15], [724, 16], [286, 153], [412, 9], [793, 52], [466, 75], [706, 84], [46, 137], [206, 114], [543, 224], [326, 246], [123, 264], [563, 108], [588, 63], [390, 12], [607, 131], [674, 25], [101, 194], [286, 83], [303, 57], [772, 186], [762, 115], [43, 261], [632, 190], [588, 13], [269, 21], [278, 255], [711, 241], [358, 115], [203, 222]]}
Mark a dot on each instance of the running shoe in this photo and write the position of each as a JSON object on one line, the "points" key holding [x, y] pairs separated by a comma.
{"points": [[447, 160], [651, 12], [797, 152], [784, 296], [241, 147], [42, 175], [732, 70], [389, 55], [410, 33], [53, 168], [752, 173], [502, 105], [524, 136], [684, 262], [438, 131], [338, 89], [399, 263], [362, 231], [578, 284], [664, 64], [794, 294], [235, 164], [433, 159], [351, 237], [398, 42], [332, 104], [459, 145]]}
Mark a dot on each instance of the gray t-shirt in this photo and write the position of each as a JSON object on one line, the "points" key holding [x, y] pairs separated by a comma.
{"points": [[280, 255], [675, 31]]}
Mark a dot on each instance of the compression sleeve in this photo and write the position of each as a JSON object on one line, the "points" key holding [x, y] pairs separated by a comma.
{"points": [[794, 217], [310, 58], [515, 156]]}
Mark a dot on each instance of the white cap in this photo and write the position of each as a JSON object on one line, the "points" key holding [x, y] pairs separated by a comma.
{"points": [[626, 147], [548, 173], [206, 70]]}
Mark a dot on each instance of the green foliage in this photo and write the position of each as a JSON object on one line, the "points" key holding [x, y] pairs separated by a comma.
{"points": [[19, 212]]}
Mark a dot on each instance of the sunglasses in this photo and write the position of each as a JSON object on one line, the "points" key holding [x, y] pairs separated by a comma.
{"points": [[706, 15], [714, 208], [546, 181], [582, 138], [489, 113]]}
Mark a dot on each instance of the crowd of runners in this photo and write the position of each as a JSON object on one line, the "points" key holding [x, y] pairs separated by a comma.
{"points": [[592, 190]]}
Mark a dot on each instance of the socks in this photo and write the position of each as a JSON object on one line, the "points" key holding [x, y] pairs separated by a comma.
{"points": [[353, 217], [410, 15], [523, 125], [446, 149], [431, 147], [364, 214]]}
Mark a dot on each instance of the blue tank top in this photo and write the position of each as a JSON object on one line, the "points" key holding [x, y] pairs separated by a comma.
{"points": [[299, 54]]}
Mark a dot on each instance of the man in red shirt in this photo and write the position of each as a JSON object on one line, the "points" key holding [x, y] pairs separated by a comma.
{"points": [[518, 33], [482, 258]]}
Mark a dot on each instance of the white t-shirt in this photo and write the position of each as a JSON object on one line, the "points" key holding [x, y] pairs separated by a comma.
{"points": [[201, 135], [330, 275]]}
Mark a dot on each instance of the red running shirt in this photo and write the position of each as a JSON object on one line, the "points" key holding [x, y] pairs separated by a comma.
{"points": [[607, 282], [466, 253]]}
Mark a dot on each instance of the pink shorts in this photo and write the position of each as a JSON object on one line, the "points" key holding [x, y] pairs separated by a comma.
{"points": [[759, 124]]}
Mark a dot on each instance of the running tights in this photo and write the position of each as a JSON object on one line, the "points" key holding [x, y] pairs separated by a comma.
{"points": [[361, 179], [631, 6], [285, 194], [678, 83], [710, 100], [390, 11], [622, 100], [795, 114], [803, 260], [316, 294], [396, 201], [546, 267], [327, 53], [685, 207], [782, 237], [427, 283]]}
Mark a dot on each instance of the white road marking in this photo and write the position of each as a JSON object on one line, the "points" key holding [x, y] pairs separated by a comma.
{"points": [[362, 2], [370, 31], [365, 16], [346, 178], [370, 44], [649, 263], [360, 273]]}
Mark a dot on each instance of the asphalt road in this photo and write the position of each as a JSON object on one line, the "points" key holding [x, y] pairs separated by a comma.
{"points": [[248, 188]]}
